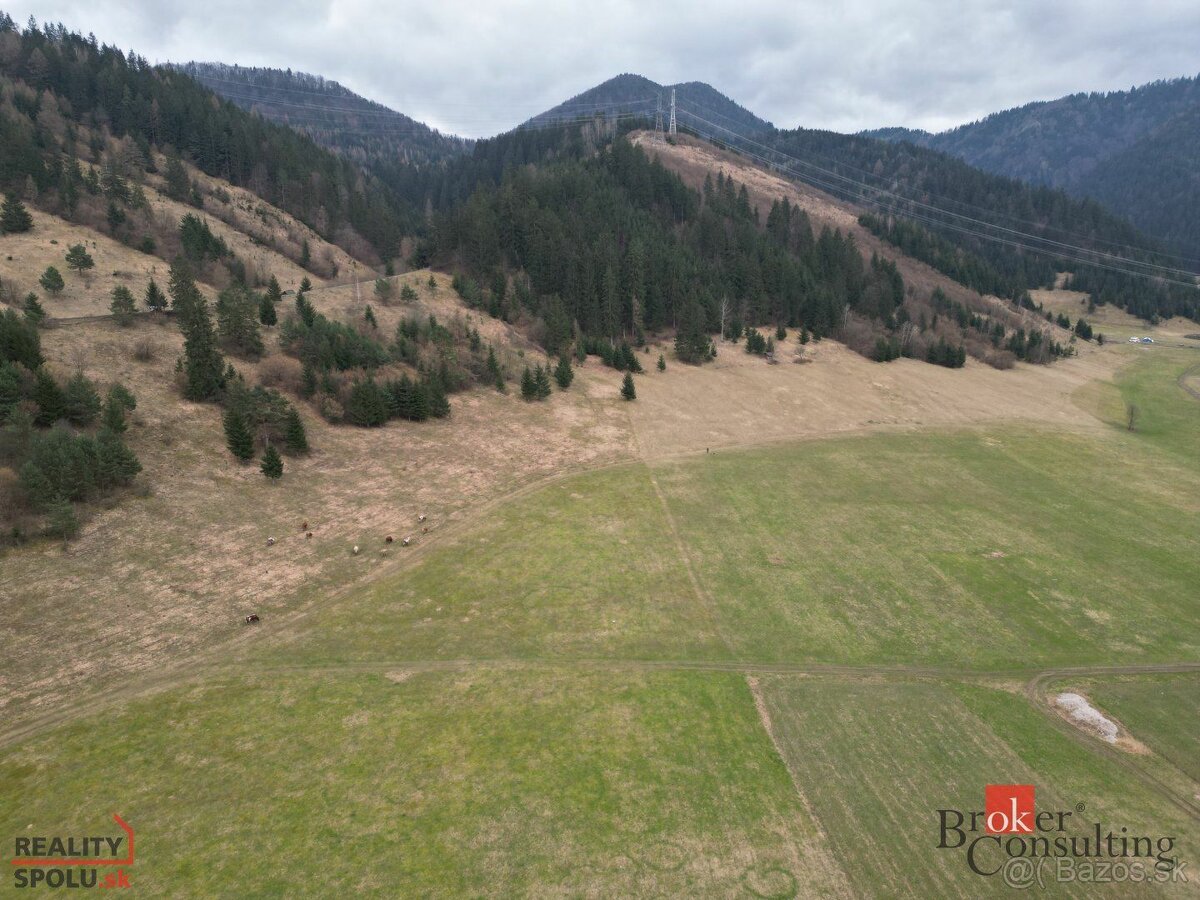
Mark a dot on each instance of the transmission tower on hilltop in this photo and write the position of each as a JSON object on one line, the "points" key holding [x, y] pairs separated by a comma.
{"points": [[658, 126], [672, 129]]}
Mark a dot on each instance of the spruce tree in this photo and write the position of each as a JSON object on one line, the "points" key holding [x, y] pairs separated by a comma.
{"points": [[439, 406], [52, 281], [116, 464], [528, 385], [662, 363], [272, 463], [122, 307], [305, 284], [79, 259], [113, 416], [541, 380], [155, 299], [563, 373], [369, 317], [238, 438], [81, 402], [493, 367], [33, 310], [367, 405], [308, 381], [237, 322], [204, 367], [274, 292], [628, 391], [49, 399], [14, 217], [266, 311], [295, 440]]}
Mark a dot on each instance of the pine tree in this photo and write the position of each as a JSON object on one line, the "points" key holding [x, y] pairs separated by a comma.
{"points": [[52, 281], [432, 284], [662, 363], [155, 299], [272, 463], [122, 306], [274, 293], [383, 290], [369, 317], [305, 260], [528, 385], [305, 284], [563, 373], [628, 391], [79, 259], [266, 311], [14, 217], [33, 310], [238, 438], [295, 440], [541, 380]]}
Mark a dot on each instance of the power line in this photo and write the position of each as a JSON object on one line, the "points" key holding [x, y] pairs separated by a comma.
{"points": [[960, 203], [1059, 247], [834, 188]]}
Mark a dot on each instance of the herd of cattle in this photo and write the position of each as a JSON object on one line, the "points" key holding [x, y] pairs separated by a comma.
{"points": [[389, 539]]}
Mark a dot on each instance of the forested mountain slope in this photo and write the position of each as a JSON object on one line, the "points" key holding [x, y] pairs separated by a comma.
{"points": [[329, 113], [1132, 150], [635, 96]]}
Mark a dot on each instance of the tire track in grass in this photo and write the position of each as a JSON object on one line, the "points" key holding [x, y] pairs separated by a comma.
{"points": [[1037, 694]]}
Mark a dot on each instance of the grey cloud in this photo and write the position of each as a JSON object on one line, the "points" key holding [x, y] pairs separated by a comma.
{"points": [[477, 68]]}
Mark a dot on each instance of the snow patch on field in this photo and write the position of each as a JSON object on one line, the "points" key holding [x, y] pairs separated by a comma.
{"points": [[1083, 713]]}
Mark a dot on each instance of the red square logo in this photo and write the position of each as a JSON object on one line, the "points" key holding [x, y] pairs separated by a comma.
{"points": [[1008, 808]]}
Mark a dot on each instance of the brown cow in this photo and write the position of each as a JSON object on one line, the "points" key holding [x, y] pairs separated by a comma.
{"points": [[251, 619]]}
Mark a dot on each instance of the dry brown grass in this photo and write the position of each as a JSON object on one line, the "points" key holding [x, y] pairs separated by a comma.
{"points": [[740, 398], [159, 577], [84, 295]]}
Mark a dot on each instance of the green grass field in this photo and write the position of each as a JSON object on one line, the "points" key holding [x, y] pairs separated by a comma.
{"points": [[877, 760], [1162, 710], [554, 702]]}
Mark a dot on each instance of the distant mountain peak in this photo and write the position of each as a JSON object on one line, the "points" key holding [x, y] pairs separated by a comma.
{"points": [[630, 94]]}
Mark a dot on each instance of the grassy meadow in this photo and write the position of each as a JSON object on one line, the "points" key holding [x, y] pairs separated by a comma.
{"points": [[618, 685]]}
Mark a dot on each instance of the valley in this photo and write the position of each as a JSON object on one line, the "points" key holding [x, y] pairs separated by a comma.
{"points": [[647, 522]]}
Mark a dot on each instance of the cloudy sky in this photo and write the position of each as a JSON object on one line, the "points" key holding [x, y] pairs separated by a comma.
{"points": [[476, 68]]}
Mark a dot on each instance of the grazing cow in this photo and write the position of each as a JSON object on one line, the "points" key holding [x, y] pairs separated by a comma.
{"points": [[356, 549], [251, 619], [304, 527], [388, 539], [270, 542], [425, 530], [421, 518], [308, 534], [406, 542]]}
